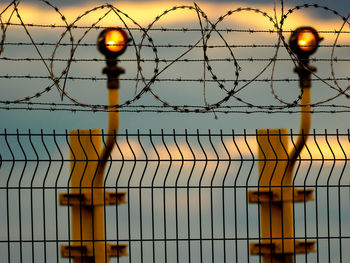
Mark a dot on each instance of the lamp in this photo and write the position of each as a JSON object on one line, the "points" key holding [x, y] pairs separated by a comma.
{"points": [[304, 41], [112, 42]]}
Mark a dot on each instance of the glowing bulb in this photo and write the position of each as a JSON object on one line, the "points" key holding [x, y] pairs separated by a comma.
{"points": [[115, 40], [307, 41]]}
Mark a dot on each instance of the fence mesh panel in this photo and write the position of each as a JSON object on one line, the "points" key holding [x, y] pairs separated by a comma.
{"points": [[183, 197]]}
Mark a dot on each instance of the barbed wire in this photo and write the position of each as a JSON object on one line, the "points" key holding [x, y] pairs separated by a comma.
{"points": [[178, 79], [250, 59], [183, 29], [167, 45], [171, 110], [144, 84], [32, 106]]}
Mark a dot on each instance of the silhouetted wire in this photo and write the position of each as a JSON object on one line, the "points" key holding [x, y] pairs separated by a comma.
{"points": [[183, 29], [178, 79], [144, 85], [250, 59], [168, 45]]}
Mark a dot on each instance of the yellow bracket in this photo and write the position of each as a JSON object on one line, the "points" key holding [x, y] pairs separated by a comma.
{"points": [[275, 195], [86, 199], [266, 247], [77, 251]]}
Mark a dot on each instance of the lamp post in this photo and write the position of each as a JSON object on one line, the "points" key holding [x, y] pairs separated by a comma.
{"points": [[304, 42], [88, 197], [276, 193], [112, 42]]}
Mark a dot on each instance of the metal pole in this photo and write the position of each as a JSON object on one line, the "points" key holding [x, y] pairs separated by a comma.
{"points": [[304, 71], [113, 72], [276, 193], [274, 196], [89, 197], [82, 144]]}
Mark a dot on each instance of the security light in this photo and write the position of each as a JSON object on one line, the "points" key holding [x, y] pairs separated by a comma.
{"points": [[112, 42], [304, 41]]}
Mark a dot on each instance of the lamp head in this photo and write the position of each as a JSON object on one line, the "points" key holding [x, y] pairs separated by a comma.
{"points": [[304, 41], [112, 42]]}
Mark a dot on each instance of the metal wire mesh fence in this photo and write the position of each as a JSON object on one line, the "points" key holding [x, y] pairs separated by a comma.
{"points": [[173, 197]]}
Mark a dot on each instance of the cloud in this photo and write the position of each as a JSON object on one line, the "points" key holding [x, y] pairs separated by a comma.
{"points": [[146, 11], [318, 148], [336, 4]]}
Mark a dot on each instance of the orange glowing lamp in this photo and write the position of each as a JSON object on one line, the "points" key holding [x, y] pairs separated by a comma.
{"points": [[304, 41], [115, 40], [112, 42]]}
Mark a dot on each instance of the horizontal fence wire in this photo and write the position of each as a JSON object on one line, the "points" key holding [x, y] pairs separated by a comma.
{"points": [[188, 195], [157, 58]]}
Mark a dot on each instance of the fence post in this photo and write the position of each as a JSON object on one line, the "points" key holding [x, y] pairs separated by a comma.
{"points": [[87, 199], [276, 196], [88, 218]]}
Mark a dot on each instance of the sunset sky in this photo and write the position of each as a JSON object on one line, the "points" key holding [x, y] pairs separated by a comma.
{"points": [[33, 54]]}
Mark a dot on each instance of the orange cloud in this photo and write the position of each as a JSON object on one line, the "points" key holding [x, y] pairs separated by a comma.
{"points": [[320, 148], [146, 12], [329, 149]]}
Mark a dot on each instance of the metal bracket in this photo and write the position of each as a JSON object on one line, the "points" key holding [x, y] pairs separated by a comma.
{"points": [[275, 247], [277, 195], [77, 251], [88, 199], [113, 73]]}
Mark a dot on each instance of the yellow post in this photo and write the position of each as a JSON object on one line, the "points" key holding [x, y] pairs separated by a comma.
{"points": [[276, 195], [276, 217], [305, 116], [83, 175], [88, 199]]}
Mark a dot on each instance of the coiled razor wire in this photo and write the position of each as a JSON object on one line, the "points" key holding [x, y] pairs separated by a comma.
{"points": [[144, 85]]}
